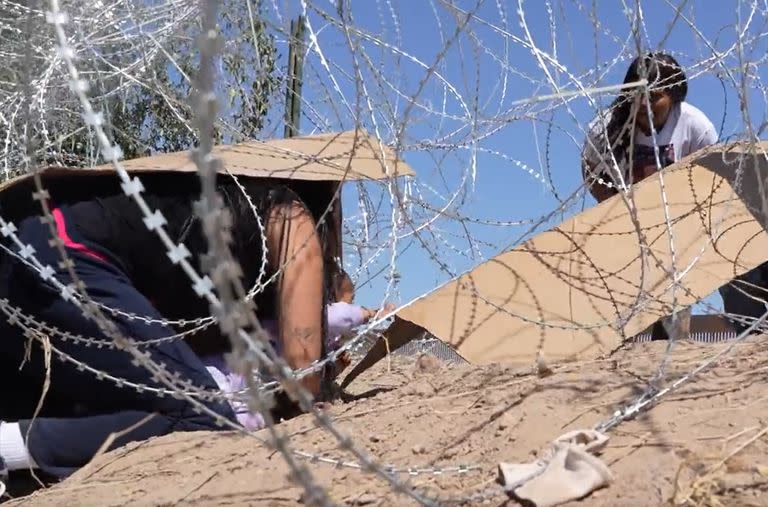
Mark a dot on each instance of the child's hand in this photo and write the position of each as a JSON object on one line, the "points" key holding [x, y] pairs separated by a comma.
{"points": [[344, 360], [387, 309], [369, 314], [341, 363]]}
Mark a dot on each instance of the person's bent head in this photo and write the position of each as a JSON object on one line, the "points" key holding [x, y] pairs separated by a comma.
{"points": [[343, 288], [667, 86]]}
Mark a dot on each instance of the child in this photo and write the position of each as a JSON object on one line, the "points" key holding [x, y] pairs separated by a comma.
{"points": [[342, 317]]}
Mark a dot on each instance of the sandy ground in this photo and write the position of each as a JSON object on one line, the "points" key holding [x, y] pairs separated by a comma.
{"points": [[414, 413]]}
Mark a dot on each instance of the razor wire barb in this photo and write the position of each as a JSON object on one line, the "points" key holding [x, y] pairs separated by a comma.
{"points": [[488, 100]]}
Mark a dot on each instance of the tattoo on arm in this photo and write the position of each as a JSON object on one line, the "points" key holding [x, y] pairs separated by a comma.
{"points": [[303, 333]]}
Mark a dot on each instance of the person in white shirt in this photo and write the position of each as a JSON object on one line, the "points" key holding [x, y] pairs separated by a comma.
{"points": [[620, 145], [621, 141]]}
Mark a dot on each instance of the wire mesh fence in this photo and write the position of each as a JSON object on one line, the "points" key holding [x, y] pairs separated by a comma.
{"points": [[515, 117]]}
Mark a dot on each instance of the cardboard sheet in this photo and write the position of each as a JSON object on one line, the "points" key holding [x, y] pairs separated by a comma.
{"points": [[577, 290], [344, 156]]}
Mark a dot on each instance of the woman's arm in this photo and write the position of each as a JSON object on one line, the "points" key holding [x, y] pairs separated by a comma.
{"points": [[294, 248]]}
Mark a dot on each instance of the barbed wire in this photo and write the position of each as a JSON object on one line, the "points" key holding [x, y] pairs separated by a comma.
{"points": [[459, 95]]}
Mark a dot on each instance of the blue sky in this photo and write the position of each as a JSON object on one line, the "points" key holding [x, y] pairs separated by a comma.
{"points": [[465, 122]]}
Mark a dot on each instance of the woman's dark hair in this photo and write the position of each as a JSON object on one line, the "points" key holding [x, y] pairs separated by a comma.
{"points": [[262, 195], [663, 73], [247, 231]]}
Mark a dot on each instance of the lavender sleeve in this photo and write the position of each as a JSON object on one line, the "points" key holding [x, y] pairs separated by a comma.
{"points": [[218, 362], [343, 317]]}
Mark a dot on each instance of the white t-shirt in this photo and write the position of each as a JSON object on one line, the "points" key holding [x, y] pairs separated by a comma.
{"points": [[686, 131]]}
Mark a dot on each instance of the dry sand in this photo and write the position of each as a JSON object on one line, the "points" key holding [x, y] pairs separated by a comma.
{"points": [[416, 413]]}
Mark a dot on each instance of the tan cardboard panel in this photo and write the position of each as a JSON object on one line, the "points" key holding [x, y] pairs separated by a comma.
{"points": [[570, 291], [344, 156]]}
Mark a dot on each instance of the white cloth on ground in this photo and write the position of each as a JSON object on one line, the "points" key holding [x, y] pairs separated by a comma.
{"points": [[568, 471]]}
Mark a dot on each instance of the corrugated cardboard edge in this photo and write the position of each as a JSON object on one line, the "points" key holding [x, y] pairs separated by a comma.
{"points": [[342, 156], [433, 312]]}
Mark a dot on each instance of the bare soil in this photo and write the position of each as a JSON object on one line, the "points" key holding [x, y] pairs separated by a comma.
{"points": [[702, 445]]}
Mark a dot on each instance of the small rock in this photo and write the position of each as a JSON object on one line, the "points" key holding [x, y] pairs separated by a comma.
{"points": [[426, 363], [418, 449], [542, 368], [419, 389], [450, 453], [364, 499], [301, 497], [738, 464], [375, 438], [498, 402], [506, 421], [323, 406]]}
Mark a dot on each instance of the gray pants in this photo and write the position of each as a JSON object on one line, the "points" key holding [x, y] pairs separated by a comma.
{"points": [[746, 295]]}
